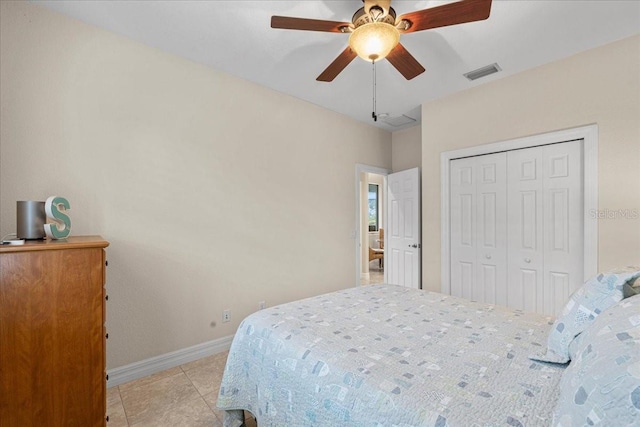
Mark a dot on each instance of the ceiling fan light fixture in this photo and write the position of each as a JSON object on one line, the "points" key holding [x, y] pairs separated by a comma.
{"points": [[373, 41]]}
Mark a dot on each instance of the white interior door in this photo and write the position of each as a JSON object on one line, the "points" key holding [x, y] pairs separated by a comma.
{"points": [[402, 246], [478, 228], [545, 226], [463, 227], [551, 197], [563, 223], [526, 225], [491, 262], [516, 221]]}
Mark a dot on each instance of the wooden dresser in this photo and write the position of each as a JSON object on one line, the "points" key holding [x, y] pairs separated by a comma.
{"points": [[52, 333]]}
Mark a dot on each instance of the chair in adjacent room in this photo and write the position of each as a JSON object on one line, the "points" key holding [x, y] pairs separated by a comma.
{"points": [[378, 254]]}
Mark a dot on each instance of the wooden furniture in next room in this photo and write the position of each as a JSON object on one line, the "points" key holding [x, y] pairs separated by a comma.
{"points": [[52, 333], [378, 253]]}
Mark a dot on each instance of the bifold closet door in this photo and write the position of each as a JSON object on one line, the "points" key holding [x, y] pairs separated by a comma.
{"points": [[545, 215], [516, 223], [563, 224], [526, 229], [479, 228]]}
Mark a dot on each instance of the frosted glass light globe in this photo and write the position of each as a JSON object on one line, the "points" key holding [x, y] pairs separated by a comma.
{"points": [[373, 41]]}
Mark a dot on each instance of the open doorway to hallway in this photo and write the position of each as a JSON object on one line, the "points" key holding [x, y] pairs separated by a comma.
{"points": [[372, 222]]}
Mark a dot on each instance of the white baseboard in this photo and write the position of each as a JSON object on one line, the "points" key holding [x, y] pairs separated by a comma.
{"points": [[156, 364]]}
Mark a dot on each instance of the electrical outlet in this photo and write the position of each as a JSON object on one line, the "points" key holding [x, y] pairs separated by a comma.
{"points": [[226, 315], [262, 305]]}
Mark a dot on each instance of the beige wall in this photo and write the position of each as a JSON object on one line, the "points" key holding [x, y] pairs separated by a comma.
{"points": [[406, 148], [599, 86], [211, 195]]}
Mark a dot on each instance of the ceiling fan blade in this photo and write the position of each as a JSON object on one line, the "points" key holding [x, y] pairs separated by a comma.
{"points": [[289, 23], [448, 14], [404, 62], [337, 65]]}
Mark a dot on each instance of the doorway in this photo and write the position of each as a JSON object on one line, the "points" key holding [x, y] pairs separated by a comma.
{"points": [[373, 211], [371, 208]]}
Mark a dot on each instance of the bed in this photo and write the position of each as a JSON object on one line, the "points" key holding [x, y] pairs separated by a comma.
{"points": [[384, 355]]}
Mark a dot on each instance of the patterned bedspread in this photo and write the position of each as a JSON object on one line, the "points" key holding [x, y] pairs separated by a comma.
{"points": [[385, 355]]}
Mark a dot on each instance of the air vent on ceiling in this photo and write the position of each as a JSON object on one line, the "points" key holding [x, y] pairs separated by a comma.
{"points": [[483, 72], [396, 121]]}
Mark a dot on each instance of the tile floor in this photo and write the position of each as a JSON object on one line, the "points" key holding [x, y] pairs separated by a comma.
{"points": [[182, 396], [376, 274]]}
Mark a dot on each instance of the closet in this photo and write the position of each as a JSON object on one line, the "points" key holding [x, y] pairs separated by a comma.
{"points": [[516, 226]]}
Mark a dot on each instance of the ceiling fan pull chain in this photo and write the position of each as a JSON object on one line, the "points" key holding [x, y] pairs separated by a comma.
{"points": [[373, 114]]}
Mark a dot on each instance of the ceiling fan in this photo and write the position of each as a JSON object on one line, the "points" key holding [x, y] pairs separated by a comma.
{"points": [[375, 31]]}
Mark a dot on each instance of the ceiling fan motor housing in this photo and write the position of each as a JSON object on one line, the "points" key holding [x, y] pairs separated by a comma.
{"points": [[383, 5], [363, 16]]}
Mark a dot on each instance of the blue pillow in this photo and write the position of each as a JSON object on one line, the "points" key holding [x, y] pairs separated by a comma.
{"points": [[601, 385], [595, 296]]}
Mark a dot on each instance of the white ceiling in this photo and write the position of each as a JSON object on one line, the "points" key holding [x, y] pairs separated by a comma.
{"points": [[235, 37]]}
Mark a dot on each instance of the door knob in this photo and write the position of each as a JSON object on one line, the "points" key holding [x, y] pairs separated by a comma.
{"points": [[415, 245], [527, 260], [487, 256]]}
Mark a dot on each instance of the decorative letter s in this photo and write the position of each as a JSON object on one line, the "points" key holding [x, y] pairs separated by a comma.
{"points": [[53, 207]]}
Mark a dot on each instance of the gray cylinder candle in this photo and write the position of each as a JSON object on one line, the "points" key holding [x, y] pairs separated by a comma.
{"points": [[31, 218]]}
